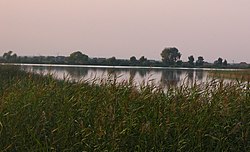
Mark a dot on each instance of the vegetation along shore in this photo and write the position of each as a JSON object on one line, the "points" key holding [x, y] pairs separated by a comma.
{"points": [[39, 113], [170, 57]]}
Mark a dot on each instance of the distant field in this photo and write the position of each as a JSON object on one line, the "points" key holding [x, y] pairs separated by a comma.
{"points": [[39, 113]]}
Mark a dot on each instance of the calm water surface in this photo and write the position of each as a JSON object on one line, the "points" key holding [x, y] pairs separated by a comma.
{"points": [[140, 75]]}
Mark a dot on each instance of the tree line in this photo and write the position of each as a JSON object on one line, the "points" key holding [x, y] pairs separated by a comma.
{"points": [[171, 57]]}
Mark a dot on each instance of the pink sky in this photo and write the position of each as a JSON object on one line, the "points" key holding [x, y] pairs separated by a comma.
{"points": [[122, 28]]}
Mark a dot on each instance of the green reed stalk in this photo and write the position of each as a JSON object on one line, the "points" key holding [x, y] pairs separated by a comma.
{"points": [[39, 113]]}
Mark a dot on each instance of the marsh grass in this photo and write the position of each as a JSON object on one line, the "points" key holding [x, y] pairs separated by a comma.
{"points": [[39, 113], [241, 75]]}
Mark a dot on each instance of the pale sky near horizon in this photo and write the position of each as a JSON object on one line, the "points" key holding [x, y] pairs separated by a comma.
{"points": [[123, 28]]}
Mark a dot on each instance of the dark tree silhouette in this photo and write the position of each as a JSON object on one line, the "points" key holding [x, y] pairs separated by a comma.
{"points": [[112, 61], [225, 62], [179, 63], [218, 62], [191, 60], [9, 56], [200, 61], [170, 55], [133, 60], [78, 58], [142, 60]]}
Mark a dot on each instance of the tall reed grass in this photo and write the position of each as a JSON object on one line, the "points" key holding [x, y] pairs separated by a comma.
{"points": [[39, 113], [242, 75]]}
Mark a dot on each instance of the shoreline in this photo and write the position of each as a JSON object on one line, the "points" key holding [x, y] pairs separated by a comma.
{"points": [[126, 67]]}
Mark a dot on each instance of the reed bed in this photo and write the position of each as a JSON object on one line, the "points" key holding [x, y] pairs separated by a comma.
{"points": [[242, 75], [39, 113]]}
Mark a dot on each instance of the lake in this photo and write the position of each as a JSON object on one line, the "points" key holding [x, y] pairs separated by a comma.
{"points": [[164, 76]]}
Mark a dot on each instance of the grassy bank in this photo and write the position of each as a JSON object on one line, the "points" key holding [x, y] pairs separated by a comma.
{"points": [[241, 75], [42, 114]]}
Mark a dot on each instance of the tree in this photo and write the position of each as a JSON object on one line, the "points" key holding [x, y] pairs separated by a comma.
{"points": [[179, 62], [225, 62], [200, 61], [133, 60], [142, 59], [112, 61], [218, 62], [14, 56], [10, 56], [191, 60], [7, 55], [170, 55], [78, 57]]}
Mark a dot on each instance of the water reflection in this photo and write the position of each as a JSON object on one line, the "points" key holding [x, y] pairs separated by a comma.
{"points": [[199, 74], [170, 77], [165, 77], [190, 76], [77, 73]]}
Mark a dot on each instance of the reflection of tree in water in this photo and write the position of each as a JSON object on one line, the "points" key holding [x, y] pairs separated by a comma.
{"points": [[190, 76], [170, 77], [113, 72], [132, 73], [100, 70], [199, 74], [39, 70], [142, 72], [77, 73], [42, 70]]}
